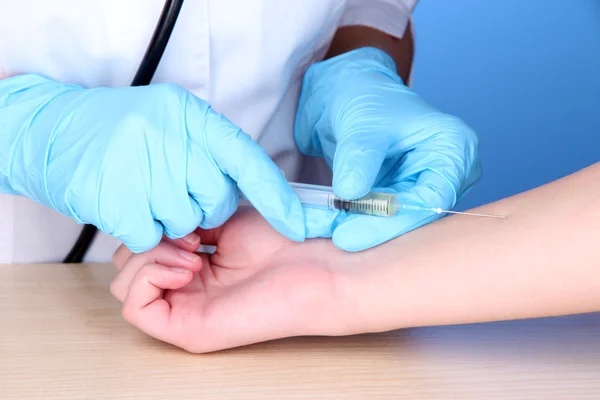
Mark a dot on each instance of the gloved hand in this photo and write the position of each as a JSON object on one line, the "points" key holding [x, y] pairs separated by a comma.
{"points": [[375, 133], [136, 162]]}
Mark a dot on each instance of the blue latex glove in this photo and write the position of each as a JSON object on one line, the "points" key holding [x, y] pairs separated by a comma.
{"points": [[135, 161], [375, 133]]}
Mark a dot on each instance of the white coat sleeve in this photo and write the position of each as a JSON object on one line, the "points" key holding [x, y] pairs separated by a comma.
{"points": [[389, 16]]}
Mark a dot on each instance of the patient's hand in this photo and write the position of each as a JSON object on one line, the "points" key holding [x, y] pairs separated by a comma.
{"points": [[258, 286]]}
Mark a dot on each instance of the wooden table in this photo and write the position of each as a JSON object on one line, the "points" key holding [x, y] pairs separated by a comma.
{"points": [[62, 337]]}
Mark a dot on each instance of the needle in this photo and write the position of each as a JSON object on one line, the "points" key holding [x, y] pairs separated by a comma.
{"points": [[439, 211]]}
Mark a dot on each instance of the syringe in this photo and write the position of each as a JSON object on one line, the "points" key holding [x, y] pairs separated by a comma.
{"points": [[375, 203]]}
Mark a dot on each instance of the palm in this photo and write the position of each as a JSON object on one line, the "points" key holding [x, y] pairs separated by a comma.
{"points": [[257, 286], [245, 245]]}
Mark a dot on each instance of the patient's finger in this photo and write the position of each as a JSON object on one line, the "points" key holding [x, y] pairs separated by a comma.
{"points": [[206, 242], [165, 253], [190, 242], [144, 306], [121, 256]]}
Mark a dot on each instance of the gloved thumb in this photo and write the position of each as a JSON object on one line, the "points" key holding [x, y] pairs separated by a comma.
{"points": [[356, 164], [361, 232]]}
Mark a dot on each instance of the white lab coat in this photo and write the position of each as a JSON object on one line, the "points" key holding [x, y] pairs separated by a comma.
{"points": [[245, 57]]}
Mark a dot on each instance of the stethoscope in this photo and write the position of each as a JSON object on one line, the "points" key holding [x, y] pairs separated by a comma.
{"points": [[143, 76]]}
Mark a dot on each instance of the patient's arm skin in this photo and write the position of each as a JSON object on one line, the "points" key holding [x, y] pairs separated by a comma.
{"points": [[542, 260]]}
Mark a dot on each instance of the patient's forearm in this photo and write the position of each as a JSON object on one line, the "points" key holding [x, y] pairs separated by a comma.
{"points": [[542, 260]]}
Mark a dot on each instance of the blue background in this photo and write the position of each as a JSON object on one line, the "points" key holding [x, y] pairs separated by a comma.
{"points": [[525, 74]]}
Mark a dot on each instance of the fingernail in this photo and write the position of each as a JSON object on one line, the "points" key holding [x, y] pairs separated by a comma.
{"points": [[188, 256], [192, 238], [181, 270]]}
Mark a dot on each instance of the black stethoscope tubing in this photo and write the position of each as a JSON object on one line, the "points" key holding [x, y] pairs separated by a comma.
{"points": [[143, 77]]}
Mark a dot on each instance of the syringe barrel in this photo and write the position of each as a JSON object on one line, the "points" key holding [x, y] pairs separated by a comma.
{"points": [[374, 203], [315, 196]]}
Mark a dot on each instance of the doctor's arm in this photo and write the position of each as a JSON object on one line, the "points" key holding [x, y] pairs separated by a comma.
{"points": [[348, 38]]}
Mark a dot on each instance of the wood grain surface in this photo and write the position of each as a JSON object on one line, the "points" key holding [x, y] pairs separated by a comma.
{"points": [[62, 337]]}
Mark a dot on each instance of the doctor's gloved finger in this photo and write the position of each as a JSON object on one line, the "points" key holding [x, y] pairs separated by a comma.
{"points": [[356, 164], [125, 213], [362, 232], [431, 190], [165, 253], [179, 213], [320, 223], [472, 178], [207, 182], [144, 306], [218, 200], [257, 176], [214, 192], [140, 235]]}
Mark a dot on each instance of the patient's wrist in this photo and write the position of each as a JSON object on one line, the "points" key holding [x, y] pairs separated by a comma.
{"points": [[347, 309], [326, 307], [373, 287]]}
